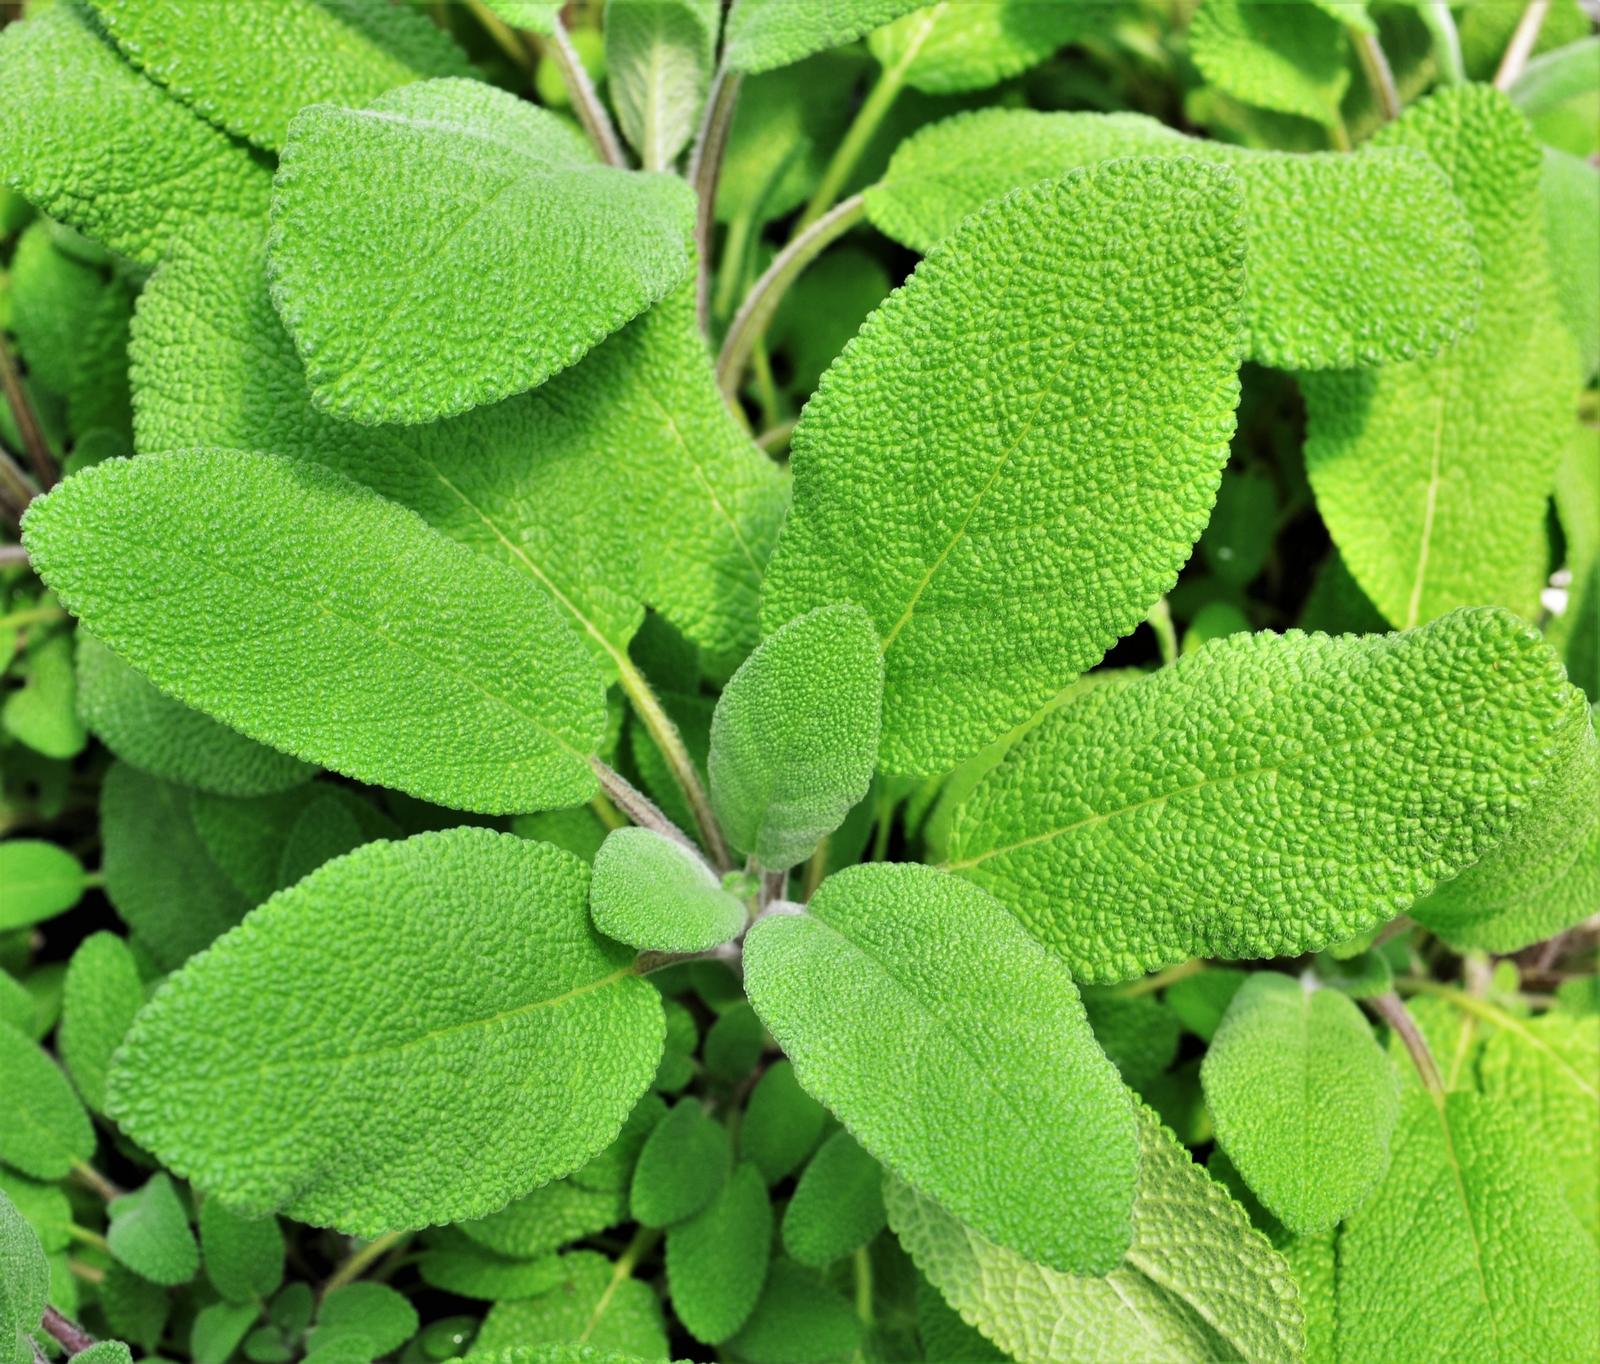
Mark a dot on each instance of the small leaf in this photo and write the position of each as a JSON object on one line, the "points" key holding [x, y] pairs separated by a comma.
{"points": [[493, 250], [104, 1352], [794, 738], [864, 978], [243, 1255], [41, 880], [43, 1128], [800, 1319], [782, 1123], [1304, 1099], [837, 1206], [763, 34], [612, 1170], [43, 712], [1291, 59], [734, 1044], [954, 473], [150, 1233], [659, 58], [444, 941], [547, 1218], [651, 892], [946, 49], [537, 16], [1571, 193], [372, 1310], [219, 1329], [492, 702], [101, 995], [717, 1259], [682, 1166], [471, 1272], [24, 1283], [593, 1304]]}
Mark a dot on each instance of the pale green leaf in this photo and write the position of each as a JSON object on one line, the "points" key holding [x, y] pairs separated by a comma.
{"points": [[1198, 1282], [717, 1259], [957, 473], [800, 1319], [419, 1119], [456, 682], [43, 1128], [957, 45], [1290, 58], [1434, 476], [945, 1336], [795, 736], [763, 34], [24, 1284], [596, 1304], [682, 1167], [1304, 1099], [837, 1205], [102, 994], [1468, 1250], [451, 245], [537, 16], [1571, 188], [1259, 798], [1353, 260], [659, 59], [252, 73], [1576, 631], [150, 1233], [548, 1218], [243, 1255], [782, 1123], [651, 892], [866, 976], [38, 880], [94, 144]]}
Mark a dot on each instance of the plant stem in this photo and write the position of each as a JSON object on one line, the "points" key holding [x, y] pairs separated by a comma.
{"points": [[762, 301], [735, 249], [507, 39], [357, 1262], [34, 444], [1446, 41], [1160, 619], [585, 99], [729, 953], [644, 1241], [1520, 48], [777, 438], [705, 170], [16, 488], [13, 556], [607, 813], [1171, 976], [816, 870], [32, 615], [84, 1172], [1339, 135], [638, 807], [88, 1273], [89, 1238], [773, 884], [71, 1337], [1389, 1008], [1380, 76], [863, 1266]]}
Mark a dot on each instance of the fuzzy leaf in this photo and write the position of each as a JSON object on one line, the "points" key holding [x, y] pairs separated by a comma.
{"points": [[763, 34], [546, 1219], [537, 16], [837, 1206], [1434, 476], [243, 1255], [43, 1128], [592, 1305], [40, 880], [1571, 191], [959, 473], [452, 245], [445, 942], [252, 74], [794, 738], [372, 1310], [682, 1167], [800, 1319], [150, 1233], [782, 1123], [94, 144], [488, 700], [1198, 1282], [1304, 1099], [947, 48], [24, 1284], [1353, 260], [653, 893], [102, 994], [717, 1260], [1259, 798], [659, 58], [1289, 58], [864, 977], [472, 1272]]}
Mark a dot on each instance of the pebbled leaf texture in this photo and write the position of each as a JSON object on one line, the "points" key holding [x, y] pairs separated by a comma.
{"points": [[99, 999], [1434, 476], [1353, 260], [1304, 1100], [537, 16], [439, 1027], [94, 144], [644, 488], [717, 1260], [659, 59], [651, 892], [243, 1255], [800, 1319], [150, 1233], [764, 34], [837, 1206], [948, 48], [594, 1305], [1198, 1282], [24, 1284], [1268, 795], [890, 962], [43, 1128], [451, 245], [253, 73], [1289, 58], [260, 591], [682, 1166], [549, 1217], [962, 472], [782, 1123], [794, 739]]}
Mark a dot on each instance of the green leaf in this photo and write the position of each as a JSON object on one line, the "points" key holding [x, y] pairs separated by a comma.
{"points": [[612, 1170], [763, 34], [102, 994], [492, 703], [252, 74], [734, 1044], [243, 1255], [1571, 191], [596, 1303], [150, 1233], [1353, 260], [794, 738], [1138, 1034], [471, 1272], [1304, 1099], [717, 1259], [799, 1319], [1289, 58], [43, 1128], [43, 712], [1467, 1250], [947, 48], [548, 1218], [1259, 797], [1198, 1282], [659, 59], [645, 489], [24, 1284], [651, 892], [445, 942], [372, 1310], [945, 1335], [144, 726], [493, 251], [219, 1329], [782, 1123], [865, 976], [134, 1307], [682, 1167], [954, 474], [1435, 495], [45, 1208], [104, 1352], [41, 880], [537, 16], [837, 1206], [94, 144], [1576, 631]]}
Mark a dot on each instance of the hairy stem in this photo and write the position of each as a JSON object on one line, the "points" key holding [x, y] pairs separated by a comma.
{"points": [[730, 953], [607, 813], [13, 556], [34, 444], [1520, 48], [82, 1171], [358, 1261], [773, 885], [1389, 1008], [507, 39], [585, 99], [638, 807], [1160, 619], [705, 171], [1171, 976], [16, 488], [67, 1333], [1380, 76], [750, 323]]}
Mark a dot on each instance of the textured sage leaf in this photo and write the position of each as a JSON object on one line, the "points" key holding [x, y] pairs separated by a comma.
{"points": [[43, 1128], [717, 1259], [43, 713], [259, 590], [101, 995], [957, 475], [470, 1271], [595, 1304], [24, 1284], [1353, 260], [1198, 1282], [837, 1206], [800, 1319], [38, 880], [794, 738], [653, 893], [252, 74], [1304, 1099], [1571, 191], [612, 1170], [763, 34], [945, 1335], [1258, 798], [682, 1167], [43, 1206], [144, 726], [1288, 58], [1576, 632], [1468, 1249], [1434, 476], [549, 1217], [219, 1329], [659, 59], [94, 144], [450, 245], [373, 1310], [867, 976], [150, 1233], [243, 1255], [537, 16], [782, 1123], [645, 489], [734, 1044], [445, 943], [947, 48]]}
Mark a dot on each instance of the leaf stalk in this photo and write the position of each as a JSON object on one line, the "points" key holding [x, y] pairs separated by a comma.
{"points": [[1380, 75], [357, 1263], [705, 172], [34, 444], [585, 98], [1392, 1011], [1520, 48]]}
